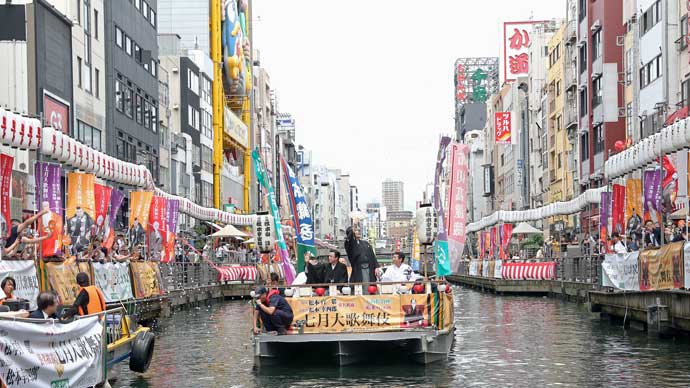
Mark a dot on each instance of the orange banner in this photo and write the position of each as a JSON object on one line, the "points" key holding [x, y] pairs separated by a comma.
{"points": [[139, 207], [372, 313], [81, 205], [633, 205]]}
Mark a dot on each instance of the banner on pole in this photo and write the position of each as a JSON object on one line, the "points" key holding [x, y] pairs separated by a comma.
{"points": [[173, 214], [457, 209], [52, 355], [302, 221], [443, 266], [80, 210], [49, 196], [621, 271], [6, 163], [604, 209], [139, 207], [116, 198], [652, 180], [618, 209], [102, 202], [633, 206], [24, 273], [157, 233], [113, 279]]}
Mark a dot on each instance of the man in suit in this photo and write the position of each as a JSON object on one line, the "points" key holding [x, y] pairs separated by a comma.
{"points": [[47, 306], [361, 256], [335, 271]]}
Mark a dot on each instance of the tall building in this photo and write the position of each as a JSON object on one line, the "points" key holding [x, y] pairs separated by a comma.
{"points": [[600, 62], [476, 201], [392, 193], [131, 84], [187, 18]]}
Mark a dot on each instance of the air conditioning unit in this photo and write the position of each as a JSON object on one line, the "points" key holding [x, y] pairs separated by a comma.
{"points": [[595, 26], [176, 107], [21, 161], [175, 70]]}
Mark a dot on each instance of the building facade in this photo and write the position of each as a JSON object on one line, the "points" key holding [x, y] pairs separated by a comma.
{"points": [[393, 195]]}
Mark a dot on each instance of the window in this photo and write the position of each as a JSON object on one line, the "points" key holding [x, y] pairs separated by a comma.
{"points": [[87, 13], [97, 80], [628, 66], [651, 71], [683, 32], [118, 37], [206, 159], [145, 9], [598, 139], [583, 58], [137, 53], [154, 117], [128, 45], [78, 12], [628, 120], [584, 146], [206, 89], [154, 68], [79, 64], [196, 155], [207, 124], [152, 19], [558, 88], [650, 17], [95, 24], [147, 112], [685, 92], [137, 3], [596, 45], [582, 9], [164, 137], [193, 117], [193, 81], [138, 107], [583, 102], [119, 97], [128, 102], [88, 135], [207, 194], [596, 92]]}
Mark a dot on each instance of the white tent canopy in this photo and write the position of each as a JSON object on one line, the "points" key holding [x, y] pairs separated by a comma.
{"points": [[229, 231], [525, 228]]}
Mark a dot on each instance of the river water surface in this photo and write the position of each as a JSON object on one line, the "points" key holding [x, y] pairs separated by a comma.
{"points": [[500, 341]]}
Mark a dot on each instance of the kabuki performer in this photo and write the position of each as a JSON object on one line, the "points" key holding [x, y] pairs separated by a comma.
{"points": [[361, 257]]}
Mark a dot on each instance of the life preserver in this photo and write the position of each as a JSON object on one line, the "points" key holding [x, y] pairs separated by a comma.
{"points": [[96, 301]]}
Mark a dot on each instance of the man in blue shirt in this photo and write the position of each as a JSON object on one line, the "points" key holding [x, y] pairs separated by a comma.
{"points": [[274, 310]]}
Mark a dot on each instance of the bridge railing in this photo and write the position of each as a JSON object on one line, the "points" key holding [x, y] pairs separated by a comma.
{"points": [[181, 276]]}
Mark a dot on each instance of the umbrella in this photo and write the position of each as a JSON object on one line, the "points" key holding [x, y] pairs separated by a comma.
{"points": [[250, 241], [229, 231], [525, 228]]}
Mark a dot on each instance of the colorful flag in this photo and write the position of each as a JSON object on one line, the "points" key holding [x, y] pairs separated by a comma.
{"points": [[261, 176], [481, 244], [457, 208], [669, 186], [157, 233], [6, 163], [633, 205], [507, 235], [173, 215], [302, 221], [441, 243], [652, 179], [139, 207], [492, 249], [102, 196], [604, 208], [49, 196], [618, 209], [116, 198], [79, 214]]}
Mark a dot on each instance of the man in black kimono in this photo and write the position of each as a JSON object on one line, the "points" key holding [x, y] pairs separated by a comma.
{"points": [[361, 256]]}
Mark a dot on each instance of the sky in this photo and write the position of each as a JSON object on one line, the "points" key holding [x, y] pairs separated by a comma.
{"points": [[370, 83]]}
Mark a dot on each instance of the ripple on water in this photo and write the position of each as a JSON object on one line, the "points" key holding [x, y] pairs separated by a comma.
{"points": [[500, 341]]}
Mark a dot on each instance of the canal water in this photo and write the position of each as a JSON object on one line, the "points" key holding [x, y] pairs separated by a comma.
{"points": [[500, 341]]}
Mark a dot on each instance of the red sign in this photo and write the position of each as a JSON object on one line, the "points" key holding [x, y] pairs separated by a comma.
{"points": [[6, 163], [56, 113], [516, 44], [460, 94], [503, 125]]}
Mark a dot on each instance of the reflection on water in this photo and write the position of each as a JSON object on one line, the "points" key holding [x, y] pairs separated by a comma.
{"points": [[500, 341]]}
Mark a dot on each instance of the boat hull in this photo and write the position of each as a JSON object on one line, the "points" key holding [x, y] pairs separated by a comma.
{"points": [[419, 346]]}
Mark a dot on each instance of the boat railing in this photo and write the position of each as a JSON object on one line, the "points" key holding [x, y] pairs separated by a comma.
{"points": [[117, 323]]}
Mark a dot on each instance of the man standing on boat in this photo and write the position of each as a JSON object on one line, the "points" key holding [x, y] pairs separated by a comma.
{"points": [[275, 312], [361, 256], [399, 271]]}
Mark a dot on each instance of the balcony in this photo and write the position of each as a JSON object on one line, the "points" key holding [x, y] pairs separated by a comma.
{"points": [[552, 176], [571, 116], [571, 32]]}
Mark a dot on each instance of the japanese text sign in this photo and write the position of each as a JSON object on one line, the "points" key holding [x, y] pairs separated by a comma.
{"points": [[516, 43], [503, 126]]}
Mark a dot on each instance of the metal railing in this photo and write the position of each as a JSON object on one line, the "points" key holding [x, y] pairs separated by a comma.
{"points": [[183, 276]]}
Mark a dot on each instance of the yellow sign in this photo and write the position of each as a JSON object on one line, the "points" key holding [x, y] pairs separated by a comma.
{"points": [[63, 279], [660, 269], [146, 277], [371, 313]]}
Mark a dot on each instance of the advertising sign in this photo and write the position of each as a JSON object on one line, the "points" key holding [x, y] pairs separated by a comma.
{"points": [[458, 204], [372, 313], [503, 125], [516, 43], [6, 163], [56, 113], [621, 271], [52, 355], [235, 128], [441, 243]]}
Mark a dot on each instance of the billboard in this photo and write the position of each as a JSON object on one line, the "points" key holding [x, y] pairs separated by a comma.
{"points": [[503, 127], [516, 43]]}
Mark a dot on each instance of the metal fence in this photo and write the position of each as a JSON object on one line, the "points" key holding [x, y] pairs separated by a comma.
{"points": [[182, 276]]}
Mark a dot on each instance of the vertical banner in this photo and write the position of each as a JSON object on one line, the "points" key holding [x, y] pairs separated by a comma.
{"points": [[139, 207], [652, 179], [604, 208], [116, 198], [102, 196], [260, 170], [492, 249], [304, 227], [480, 244], [79, 214], [49, 196], [503, 125], [157, 233], [669, 184], [507, 235], [6, 163], [633, 205], [173, 215], [443, 267], [686, 260], [618, 209], [414, 262], [458, 205]]}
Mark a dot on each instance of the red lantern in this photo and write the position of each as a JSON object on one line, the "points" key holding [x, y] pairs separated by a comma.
{"points": [[418, 289], [320, 291], [372, 289], [449, 289], [619, 145]]}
